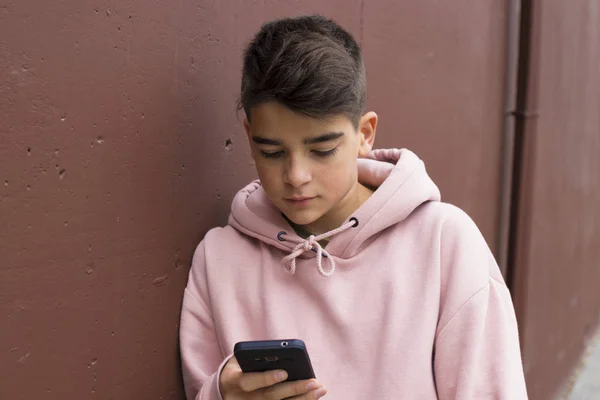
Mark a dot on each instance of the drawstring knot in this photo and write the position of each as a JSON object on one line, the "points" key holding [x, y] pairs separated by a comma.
{"points": [[312, 244], [309, 243]]}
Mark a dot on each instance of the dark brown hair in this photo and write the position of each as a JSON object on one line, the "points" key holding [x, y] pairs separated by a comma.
{"points": [[309, 64]]}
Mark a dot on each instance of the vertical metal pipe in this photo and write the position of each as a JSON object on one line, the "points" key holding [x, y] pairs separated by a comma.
{"points": [[508, 132]]}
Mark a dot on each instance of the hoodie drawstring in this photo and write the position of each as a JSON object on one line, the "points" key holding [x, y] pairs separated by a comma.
{"points": [[312, 244]]}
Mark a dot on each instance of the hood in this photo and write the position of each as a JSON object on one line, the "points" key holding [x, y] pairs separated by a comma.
{"points": [[401, 184]]}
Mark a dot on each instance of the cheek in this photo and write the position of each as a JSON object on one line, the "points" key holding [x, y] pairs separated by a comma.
{"points": [[337, 178], [270, 177]]}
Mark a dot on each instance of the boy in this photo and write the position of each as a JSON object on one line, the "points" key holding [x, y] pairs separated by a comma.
{"points": [[395, 293]]}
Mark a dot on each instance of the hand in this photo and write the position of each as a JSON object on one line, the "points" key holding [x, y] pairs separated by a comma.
{"points": [[269, 385]]}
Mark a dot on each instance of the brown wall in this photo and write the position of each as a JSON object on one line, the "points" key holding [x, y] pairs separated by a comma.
{"points": [[435, 72], [120, 147], [558, 231]]}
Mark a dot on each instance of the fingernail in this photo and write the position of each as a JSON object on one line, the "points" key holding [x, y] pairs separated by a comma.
{"points": [[281, 375], [312, 385], [321, 392]]}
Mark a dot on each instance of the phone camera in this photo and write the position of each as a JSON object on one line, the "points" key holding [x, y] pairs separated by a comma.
{"points": [[284, 344]]}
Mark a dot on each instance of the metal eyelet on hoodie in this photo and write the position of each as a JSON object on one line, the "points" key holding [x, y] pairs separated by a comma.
{"points": [[280, 236], [355, 220]]}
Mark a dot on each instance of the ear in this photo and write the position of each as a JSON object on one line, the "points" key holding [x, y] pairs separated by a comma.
{"points": [[367, 127]]}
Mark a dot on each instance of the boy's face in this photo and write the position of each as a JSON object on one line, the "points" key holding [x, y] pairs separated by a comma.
{"points": [[307, 166]]}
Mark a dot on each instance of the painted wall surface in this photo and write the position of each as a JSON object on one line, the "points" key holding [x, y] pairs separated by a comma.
{"points": [[120, 147], [557, 256]]}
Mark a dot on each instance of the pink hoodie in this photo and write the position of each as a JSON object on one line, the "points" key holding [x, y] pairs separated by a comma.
{"points": [[412, 306]]}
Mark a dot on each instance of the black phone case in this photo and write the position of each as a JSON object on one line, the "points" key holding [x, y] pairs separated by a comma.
{"points": [[266, 355]]}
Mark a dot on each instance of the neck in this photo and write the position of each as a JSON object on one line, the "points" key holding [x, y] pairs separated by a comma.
{"points": [[341, 212]]}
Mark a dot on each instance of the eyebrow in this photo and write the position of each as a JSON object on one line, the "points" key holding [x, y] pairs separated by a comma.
{"points": [[319, 139], [324, 138], [261, 140]]}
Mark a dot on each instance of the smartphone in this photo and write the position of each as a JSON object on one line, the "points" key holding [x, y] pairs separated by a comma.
{"points": [[266, 355]]}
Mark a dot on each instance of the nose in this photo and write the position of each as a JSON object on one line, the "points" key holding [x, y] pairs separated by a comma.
{"points": [[297, 172]]}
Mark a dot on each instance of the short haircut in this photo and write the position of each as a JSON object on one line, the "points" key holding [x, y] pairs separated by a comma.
{"points": [[309, 64]]}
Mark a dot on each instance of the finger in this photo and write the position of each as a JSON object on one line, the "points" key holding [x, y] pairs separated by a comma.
{"points": [[230, 375], [312, 395], [249, 382], [292, 390], [233, 363]]}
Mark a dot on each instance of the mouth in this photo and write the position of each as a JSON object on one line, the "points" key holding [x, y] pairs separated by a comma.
{"points": [[299, 201]]}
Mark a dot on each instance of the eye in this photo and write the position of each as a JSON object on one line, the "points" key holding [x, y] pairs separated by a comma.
{"points": [[326, 153], [276, 154]]}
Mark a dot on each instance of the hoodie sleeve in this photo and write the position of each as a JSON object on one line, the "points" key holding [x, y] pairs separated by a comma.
{"points": [[201, 357], [477, 354]]}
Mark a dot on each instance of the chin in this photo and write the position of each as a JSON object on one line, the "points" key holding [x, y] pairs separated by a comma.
{"points": [[302, 218]]}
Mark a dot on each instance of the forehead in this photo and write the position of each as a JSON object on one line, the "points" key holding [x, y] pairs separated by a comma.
{"points": [[274, 120]]}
